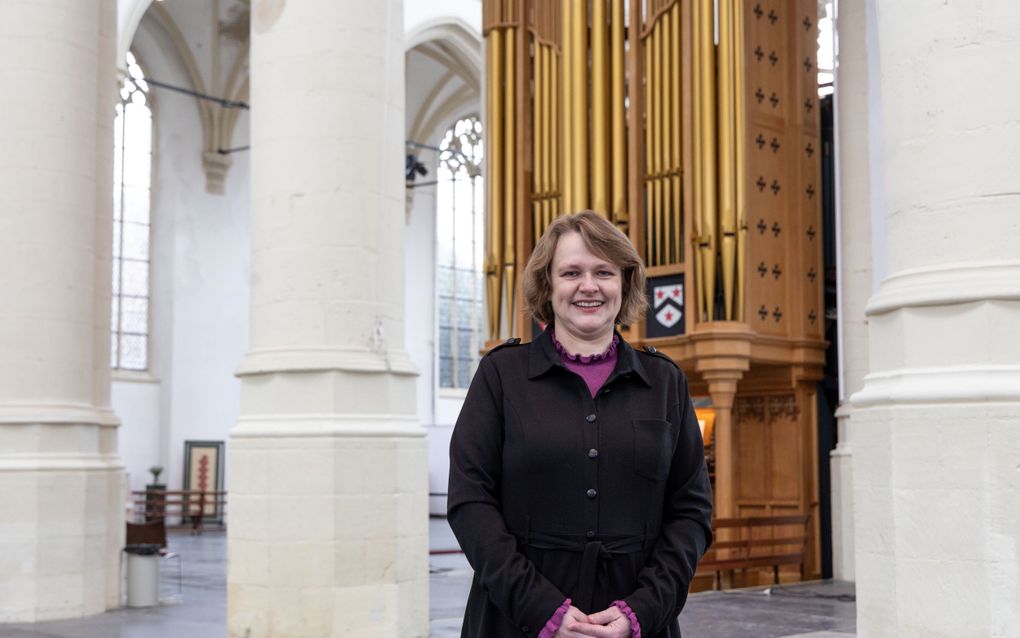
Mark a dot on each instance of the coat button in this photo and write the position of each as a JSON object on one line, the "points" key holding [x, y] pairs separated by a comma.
{"points": [[591, 493], [526, 629], [590, 534], [590, 418], [593, 453], [650, 349]]}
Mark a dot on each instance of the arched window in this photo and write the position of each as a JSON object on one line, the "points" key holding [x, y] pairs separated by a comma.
{"points": [[460, 227], [132, 191]]}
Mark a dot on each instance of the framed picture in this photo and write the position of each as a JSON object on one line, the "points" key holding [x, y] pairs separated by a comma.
{"points": [[203, 471]]}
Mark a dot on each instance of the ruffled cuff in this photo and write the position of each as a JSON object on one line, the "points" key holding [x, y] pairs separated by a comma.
{"points": [[553, 624], [635, 626]]}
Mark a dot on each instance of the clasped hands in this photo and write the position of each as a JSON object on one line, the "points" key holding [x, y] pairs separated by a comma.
{"points": [[608, 623]]}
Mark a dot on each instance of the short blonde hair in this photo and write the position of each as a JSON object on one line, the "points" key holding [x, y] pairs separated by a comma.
{"points": [[602, 238]]}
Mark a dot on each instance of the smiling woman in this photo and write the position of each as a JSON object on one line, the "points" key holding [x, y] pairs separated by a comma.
{"points": [[578, 487]]}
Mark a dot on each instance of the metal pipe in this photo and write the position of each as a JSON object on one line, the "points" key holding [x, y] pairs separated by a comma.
{"points": [[494, 268], [618, 208]]}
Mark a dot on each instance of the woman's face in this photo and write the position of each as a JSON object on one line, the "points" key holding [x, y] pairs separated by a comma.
{"points": [[586, 290]]}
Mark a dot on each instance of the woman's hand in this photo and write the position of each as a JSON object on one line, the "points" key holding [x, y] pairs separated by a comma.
{"points": [[611, 623], [575, 625], [608, 623]]}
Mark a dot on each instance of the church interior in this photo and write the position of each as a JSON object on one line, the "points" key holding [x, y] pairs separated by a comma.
{"points": [[228, 311]]}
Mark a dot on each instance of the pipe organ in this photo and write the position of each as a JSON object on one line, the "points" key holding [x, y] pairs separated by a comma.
{"points": [[692, 125]]}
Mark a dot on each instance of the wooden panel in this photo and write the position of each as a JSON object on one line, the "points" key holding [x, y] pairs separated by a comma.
{"points": [[770, 456], [807, 198]]}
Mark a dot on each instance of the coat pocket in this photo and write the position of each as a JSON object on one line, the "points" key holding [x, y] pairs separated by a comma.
{"points": [[653, 448]]}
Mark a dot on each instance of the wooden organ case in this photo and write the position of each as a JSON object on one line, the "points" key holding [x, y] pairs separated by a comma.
{"points": [[704, 149]]}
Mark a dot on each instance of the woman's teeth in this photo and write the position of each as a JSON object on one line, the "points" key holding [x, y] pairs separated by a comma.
{"points": [[588, 304]]}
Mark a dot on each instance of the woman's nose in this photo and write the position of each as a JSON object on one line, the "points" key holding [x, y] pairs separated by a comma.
{"points": [[588, 282]]}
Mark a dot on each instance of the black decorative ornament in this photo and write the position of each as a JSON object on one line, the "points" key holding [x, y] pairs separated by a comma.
{"points": [[777, 272], [775, 145], [811, 274], [810, 191], [776, 229], [773, 17], [763, 312], [759, 95], [811, 233], [773, 58], [758, 53], [774, 99], [762, 227], [758, 13], [812, 316], [760, 184], [763, 270], [760, 141], [775, 187], [777, 314], [809, 149]]}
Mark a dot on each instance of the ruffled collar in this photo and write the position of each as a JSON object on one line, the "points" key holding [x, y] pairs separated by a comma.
{"points": [[586, 358]]}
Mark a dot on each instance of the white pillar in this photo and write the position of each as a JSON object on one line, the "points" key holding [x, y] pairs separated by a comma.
{"points": [[328, 531], [61, 522], [937, 424], [854, 187]]}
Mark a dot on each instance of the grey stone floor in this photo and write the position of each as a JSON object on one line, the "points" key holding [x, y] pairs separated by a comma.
{"points": [[807, 610]]}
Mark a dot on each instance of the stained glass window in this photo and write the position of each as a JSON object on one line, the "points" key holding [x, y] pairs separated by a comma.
{"points": [[132, 193], [460, 227]]}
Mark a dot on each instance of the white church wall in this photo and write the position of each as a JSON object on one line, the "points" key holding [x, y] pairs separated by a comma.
{"points": [[200, 281], [210, 292], [137, 405]]}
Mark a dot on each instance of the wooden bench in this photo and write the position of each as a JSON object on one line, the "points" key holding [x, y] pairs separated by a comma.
{"points": [[756, 542], [193, 505]]}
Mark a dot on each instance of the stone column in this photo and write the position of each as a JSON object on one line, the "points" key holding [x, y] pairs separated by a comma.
{"points": [[854, 192], [61, 523], [937, 424], [328, 527]]}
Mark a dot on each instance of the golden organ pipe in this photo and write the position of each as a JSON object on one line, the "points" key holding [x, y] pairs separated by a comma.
{"points": [[495, 168], [677, 140], [697, 167], [618, 115], [549, 138], [599, 112], [740, 159], [556, 150], [542, 86], [579, 95], [727, 215], [536, 146], [709, 237], [649, 231], [653, 141], [660, 141], [510, 170], [546, 135], [566, 74], [666, 60]]}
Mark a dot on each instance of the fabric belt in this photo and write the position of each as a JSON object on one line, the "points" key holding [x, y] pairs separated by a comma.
{"points": [[595, 556]]}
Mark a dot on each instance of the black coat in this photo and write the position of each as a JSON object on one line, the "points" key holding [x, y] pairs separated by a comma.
{"points": [[556, 494]]}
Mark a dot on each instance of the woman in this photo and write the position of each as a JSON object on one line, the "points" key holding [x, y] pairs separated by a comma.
{"points": [[578, 487]]}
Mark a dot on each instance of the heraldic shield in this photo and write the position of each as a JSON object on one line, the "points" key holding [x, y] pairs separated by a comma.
{"points": [[665, 317]]}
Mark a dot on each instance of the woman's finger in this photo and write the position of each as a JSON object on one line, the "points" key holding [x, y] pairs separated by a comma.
{"points": [[597, 631], [605, 616]]}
